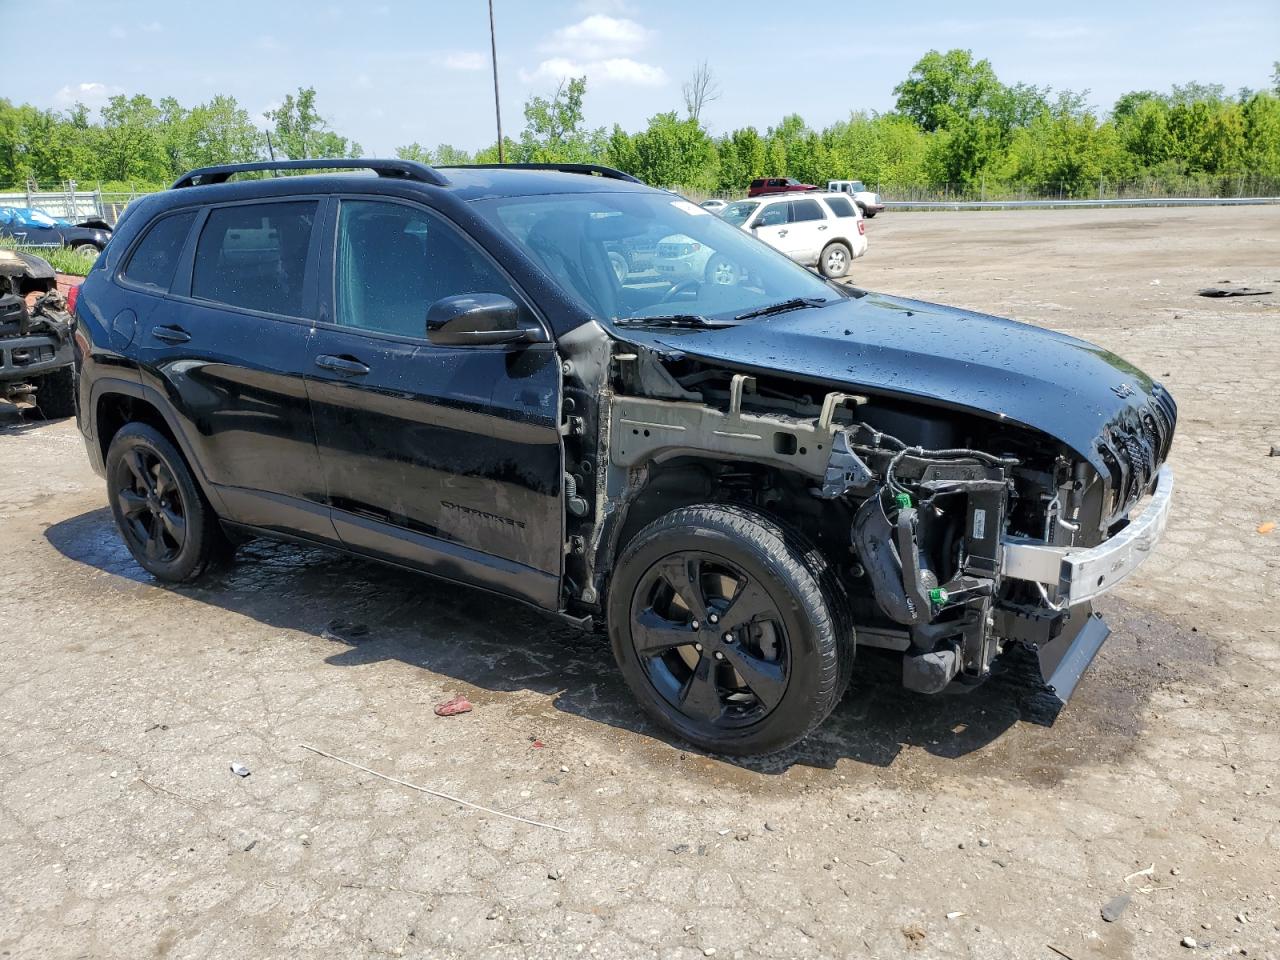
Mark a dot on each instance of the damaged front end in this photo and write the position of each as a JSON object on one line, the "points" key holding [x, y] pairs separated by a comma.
{"points": [[955, 535], [35, 328]]}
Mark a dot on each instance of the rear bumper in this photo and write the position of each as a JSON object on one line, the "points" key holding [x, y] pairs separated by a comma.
{"points": [[1080, 574]]}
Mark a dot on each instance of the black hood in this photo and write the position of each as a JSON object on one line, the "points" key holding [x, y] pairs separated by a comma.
{"points": [[1067, 388]]}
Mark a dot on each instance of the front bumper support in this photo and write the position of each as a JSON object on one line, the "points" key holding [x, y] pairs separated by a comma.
{"points": [[1080, 574]]}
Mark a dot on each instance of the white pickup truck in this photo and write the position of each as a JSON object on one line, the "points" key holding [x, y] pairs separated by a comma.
{"points": [[870, 203]]}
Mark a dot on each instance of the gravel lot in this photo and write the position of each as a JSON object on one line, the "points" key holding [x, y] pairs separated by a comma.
{"points": [[946, 827]]}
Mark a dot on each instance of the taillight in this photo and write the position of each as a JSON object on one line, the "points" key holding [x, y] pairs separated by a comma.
{"points": [[73, 297], [862, 227]]}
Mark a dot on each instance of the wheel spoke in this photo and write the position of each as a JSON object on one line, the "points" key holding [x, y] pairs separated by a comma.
{"points": [[132, 503], [767, 679], [684, 576], [164, 480], [653, 634], [750, 602], [174, 525], [138, 467], [699, 697], [152, 546]]}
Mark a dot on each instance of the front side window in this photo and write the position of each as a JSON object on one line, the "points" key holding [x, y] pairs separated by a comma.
{"points": [[802, 210], [737, 213], [393, 261], [841, 207], [155, 258], [600, 249], [773, 215], [254, 256]]}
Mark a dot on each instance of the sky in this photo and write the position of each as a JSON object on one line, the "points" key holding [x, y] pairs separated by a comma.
{"points": [[392, 72]]}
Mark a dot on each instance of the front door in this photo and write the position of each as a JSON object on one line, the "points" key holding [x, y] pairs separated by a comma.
{"points": [[773, 226], [445, 458]]}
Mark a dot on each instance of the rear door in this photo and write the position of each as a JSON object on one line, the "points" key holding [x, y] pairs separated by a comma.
{"points": [[446, 458], [227, 349]]}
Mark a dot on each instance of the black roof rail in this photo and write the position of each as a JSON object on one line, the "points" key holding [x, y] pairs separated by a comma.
{"points": [[396, 169], [591, 169]]}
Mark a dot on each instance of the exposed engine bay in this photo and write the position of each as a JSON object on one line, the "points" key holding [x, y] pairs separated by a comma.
{"points": [[919, 507]]}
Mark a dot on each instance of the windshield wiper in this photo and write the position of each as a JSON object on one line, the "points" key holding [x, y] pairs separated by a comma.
{"points": [[673, 320], [796, 303]]}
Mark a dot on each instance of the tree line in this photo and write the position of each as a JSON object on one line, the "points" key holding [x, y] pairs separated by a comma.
{"points": [[955, 123]]}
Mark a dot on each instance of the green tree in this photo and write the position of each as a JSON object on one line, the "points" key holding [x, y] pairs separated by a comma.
{"points": [[555, 131], [133, 148], [302, 134], [672, 152], [943, 87]]}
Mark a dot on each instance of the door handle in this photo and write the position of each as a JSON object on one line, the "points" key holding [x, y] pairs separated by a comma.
{"points": [[823, 227], [344, 365], [171, 334], [782, 233]]}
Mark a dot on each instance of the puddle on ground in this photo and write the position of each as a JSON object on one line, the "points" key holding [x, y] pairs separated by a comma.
{"points": [[1003, 729]]}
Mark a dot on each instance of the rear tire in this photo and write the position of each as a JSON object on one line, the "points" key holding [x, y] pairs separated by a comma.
{"points": [[835, 260], [162, 516], [769, 648], [56, 394], [86, 250]]}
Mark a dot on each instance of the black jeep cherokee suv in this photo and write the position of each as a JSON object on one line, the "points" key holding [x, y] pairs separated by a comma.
{"points": [[744, 470]]}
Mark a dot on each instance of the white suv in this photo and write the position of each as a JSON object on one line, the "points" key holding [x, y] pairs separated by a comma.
{"points": [[869, 202], [816, 229]]}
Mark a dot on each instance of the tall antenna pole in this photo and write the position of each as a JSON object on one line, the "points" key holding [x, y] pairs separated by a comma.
{"points": [[497, 106]]}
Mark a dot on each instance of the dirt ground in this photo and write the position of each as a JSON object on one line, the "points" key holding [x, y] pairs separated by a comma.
{"points": [[948, 827]]}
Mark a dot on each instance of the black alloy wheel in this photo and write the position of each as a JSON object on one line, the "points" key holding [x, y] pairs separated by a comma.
{"points": [[155, 518], [165, 521], [711, 640], [730, 629]]}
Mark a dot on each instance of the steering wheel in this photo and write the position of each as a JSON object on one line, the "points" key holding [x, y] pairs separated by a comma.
{"points": [[679, 287]]}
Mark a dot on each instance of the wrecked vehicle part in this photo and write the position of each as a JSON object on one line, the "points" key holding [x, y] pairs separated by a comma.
{"points": [[36, 352], [928, 527]]}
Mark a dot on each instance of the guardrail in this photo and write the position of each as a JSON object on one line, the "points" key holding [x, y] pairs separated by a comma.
{"points": [[1050, 204]]}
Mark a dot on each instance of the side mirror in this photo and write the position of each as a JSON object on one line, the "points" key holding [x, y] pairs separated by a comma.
{"points": [[480, 319]]}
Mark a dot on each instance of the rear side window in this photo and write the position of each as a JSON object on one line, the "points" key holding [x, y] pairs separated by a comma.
{"points": [[841, 207], [802, 210], [156, 257], [254, 256]]}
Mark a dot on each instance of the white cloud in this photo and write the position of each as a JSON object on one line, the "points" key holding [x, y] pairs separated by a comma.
{"points": [[599, 37], [463, 60], [155, 26], [117, 32], [92, 94], [618, 70]]}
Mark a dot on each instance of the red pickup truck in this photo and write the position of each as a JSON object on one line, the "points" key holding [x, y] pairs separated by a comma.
{"points": [[763, 185]]}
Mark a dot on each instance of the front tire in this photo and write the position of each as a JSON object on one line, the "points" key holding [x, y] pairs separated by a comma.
{"points": [[162, 516], [729, 629], [835, 260], [87, 250]]}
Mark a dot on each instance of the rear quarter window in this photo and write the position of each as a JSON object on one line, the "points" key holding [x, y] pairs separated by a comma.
{"points": [[254, 256], [841, 207], [802, 210], [155, 258]]}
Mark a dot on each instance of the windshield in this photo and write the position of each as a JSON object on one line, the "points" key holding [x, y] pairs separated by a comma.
{"points": [[631, 256], [737, 213]]}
